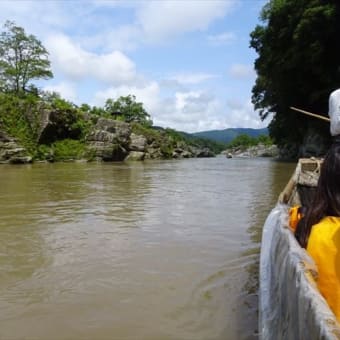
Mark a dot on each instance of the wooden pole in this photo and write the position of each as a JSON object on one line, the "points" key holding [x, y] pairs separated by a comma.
{"points": [[310, 114]]}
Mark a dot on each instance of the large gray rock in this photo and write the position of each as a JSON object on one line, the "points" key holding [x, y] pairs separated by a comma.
{"points": [[205, 152], [11, 151], [109, 140], [112, 140], [267, 151], [120, 131], [53, 125], [137, 142], [181, 153], [259, 150], [153, 153], [135, 156]]}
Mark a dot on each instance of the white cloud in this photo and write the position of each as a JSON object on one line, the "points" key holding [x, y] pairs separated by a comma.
{"points": [[76, 63], [105, 3], [114, 3], [96, 65], [36, 17], [194, 111], [159, 21], [149, 21], [242, 114], [66, 90], [242, 71], [222, 38], [152, 21], [122, 38], [191, 111], [164, 19], [192, 102], [148, 95], [192, 78], [185, 111]]}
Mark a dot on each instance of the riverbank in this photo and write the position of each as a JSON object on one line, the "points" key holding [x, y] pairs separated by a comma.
{"points": [[52, 129], [260, 150], [108, 140]]}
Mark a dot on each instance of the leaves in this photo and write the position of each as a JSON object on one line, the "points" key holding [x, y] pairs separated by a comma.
{"points": [[128, 110], [23, 58], [297, 65]]}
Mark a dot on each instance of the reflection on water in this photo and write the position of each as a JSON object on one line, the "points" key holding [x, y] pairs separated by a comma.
{"points": [[274, 177], [153, 250]]}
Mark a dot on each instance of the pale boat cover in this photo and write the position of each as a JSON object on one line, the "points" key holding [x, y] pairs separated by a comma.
{"points": [[290, 305], [334, 112]]}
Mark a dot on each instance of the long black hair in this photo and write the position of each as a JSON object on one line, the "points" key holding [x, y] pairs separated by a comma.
{"points": [[326, 201]]}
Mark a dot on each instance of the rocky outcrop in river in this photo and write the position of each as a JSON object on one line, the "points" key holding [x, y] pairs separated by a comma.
{"points": [[112, 140], [109, 140], [54, 124], [11, 151], [55, 130], [259, 150]]}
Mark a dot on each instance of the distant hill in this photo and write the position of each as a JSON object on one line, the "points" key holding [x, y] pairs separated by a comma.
{"points": [[227, 135]]}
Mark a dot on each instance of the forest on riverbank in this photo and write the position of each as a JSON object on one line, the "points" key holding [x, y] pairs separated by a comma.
{"points": [[41, 125], [298, 65]]}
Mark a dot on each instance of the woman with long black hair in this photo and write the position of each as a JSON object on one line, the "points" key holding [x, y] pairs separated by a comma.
{"points": [[319, 230]]}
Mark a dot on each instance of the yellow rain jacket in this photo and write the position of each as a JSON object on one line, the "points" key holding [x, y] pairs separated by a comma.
{"points": [[324, 247], [294, 217]]}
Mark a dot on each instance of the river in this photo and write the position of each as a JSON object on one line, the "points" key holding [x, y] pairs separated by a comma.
{"points": [[152, 250]]}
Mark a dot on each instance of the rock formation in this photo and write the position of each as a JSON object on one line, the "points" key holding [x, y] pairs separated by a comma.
{"points": [[109, 140], [11, 151], [259, 150], [112, 140]]}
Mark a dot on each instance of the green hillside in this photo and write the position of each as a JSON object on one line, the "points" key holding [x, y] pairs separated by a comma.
{"points": [[227, 135]]}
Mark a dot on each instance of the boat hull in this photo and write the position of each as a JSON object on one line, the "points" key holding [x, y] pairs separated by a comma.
{"points": [[290, 305]]}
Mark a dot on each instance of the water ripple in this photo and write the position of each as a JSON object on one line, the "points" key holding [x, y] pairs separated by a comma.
{"points": [[153, 250]]}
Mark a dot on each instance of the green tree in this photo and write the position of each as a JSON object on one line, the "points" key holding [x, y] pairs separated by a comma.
{"points": [[243, 140], [298, 64], [23, 58], [264, 139], [127, 109]]}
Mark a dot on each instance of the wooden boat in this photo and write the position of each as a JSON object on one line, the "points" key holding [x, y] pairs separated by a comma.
{"points": [[290, 305]]}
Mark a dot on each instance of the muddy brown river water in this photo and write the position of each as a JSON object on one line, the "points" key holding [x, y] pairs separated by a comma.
{"points": [[151, 250]]}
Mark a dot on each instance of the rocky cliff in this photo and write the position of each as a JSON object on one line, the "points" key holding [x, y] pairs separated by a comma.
{"points": [[259, 150], [112, 140], [11, 151], [96, 138]]}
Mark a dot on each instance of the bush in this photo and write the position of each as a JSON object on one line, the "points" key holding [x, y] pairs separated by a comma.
{"points": [[44, 152], [264, 139], [166, 150], [18, 118], [68, 149], [148, 132], [245, 141]]}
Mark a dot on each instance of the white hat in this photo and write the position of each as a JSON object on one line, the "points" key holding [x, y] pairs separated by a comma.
{"points": [[334, 112]]}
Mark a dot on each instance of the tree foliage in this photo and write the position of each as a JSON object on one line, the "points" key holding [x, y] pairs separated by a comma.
{"points": [[244, 140], [52, 128], [128, 109], [298, 64], [15, 114], [23, 58]]}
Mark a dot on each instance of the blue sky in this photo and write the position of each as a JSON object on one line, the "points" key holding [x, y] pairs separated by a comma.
{"points": [[189, 62]]}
